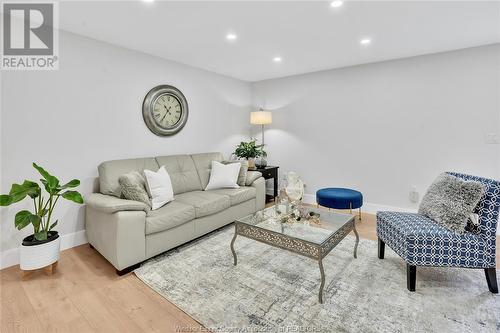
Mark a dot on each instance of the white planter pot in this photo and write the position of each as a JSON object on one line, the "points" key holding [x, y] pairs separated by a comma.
{"points": [[38, 256]]}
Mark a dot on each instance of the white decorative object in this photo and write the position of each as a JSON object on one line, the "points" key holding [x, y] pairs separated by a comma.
{"points": [[223, 176], [474, 218], [38, 256], [159, 187], [295, 187]]}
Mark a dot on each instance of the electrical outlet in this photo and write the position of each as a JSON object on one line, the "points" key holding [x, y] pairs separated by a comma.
{"points": [[491, 138]]}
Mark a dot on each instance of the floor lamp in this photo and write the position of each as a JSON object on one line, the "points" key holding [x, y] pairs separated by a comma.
{"points": [[261, 118]]}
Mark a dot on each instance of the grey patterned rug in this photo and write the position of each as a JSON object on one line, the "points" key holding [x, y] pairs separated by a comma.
{"points": [[272, 290]]}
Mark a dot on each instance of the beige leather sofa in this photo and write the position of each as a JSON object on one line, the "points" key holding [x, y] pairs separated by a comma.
{"points": [[126, 233]]}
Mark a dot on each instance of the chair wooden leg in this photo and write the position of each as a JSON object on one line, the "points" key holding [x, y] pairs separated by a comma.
{"points": [[381, 249], [491, 279], [411, 277]]}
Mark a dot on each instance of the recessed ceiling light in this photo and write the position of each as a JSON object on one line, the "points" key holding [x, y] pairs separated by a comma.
{"points": [[336, 3], [148, 0], [231, 36], [365, 41], [277, 59]]}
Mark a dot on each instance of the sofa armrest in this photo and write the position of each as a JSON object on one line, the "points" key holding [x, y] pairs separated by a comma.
{"points": [[260, 199], [109, 204], [252, 176]]}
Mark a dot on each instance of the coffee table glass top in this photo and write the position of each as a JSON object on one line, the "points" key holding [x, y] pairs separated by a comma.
{"points": [[316, 233]]}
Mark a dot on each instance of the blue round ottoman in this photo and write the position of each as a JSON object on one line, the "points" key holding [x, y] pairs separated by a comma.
{"points": [[340, 198]]}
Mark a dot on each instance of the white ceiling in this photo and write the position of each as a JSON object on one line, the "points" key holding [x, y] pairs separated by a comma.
{"points": [[308, 35]]}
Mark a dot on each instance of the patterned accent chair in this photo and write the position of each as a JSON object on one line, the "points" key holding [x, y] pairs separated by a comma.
{"points": [[422, 242]]}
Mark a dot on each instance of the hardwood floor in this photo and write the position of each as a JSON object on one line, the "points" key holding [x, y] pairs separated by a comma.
{"points": [[85, 295]]}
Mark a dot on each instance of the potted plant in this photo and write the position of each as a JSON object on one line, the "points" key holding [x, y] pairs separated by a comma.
{"points": [[249, 151], [41, 248]]}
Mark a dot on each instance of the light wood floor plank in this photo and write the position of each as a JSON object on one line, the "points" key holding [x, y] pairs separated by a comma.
{"points": [[63, 318], [16, 312], [101, 314], [147, 314]]}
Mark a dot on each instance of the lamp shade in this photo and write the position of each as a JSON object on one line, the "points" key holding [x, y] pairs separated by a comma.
{"points": [[261, 117]]}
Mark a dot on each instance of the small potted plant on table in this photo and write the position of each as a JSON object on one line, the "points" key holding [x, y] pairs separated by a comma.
{"points": [[41, 248], [250, 151]]}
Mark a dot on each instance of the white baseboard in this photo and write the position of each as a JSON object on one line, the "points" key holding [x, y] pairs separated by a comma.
{"points": [[11, 257], [368, 207]]}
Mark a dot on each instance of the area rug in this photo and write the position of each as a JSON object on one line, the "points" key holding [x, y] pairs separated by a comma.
{"points": [[273, 290]]}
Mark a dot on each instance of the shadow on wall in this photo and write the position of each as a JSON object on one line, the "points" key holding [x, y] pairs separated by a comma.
{"points": [[233, 97], [274, 100]]}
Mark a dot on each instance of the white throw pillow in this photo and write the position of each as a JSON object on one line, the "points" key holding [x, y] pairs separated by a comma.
{"points": [[223, 176], [159, 187]]}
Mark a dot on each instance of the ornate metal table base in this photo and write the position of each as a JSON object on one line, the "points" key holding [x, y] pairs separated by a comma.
{"points": [[299, 246]]}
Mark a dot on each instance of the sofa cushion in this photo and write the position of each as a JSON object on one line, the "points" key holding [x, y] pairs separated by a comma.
{"points": [[182, 171], [110, 171], [169, 216], [204, 202], [159, 187], [237, 195], [450, 200], [242, 176], [223, 175], [203, 163], [133, 187]]}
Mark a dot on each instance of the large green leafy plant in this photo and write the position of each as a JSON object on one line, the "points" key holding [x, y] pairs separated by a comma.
{"points": [[250, 150], [41, 217]]}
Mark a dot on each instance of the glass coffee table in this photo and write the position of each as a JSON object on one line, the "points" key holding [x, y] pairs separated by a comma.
{"points": [[313, 238]]}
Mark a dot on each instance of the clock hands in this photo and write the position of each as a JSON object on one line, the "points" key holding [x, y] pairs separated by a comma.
{"points": [[162, 118], [167, 109]]}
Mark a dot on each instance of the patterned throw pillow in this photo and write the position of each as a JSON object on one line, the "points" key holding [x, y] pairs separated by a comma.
{"points": [[450, 201], [133, 186], [242, 177]]}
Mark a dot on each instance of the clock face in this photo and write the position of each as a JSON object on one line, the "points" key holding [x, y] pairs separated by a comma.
{"points": [[167, 111]]}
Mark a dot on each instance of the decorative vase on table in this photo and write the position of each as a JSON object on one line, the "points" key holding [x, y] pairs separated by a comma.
{"points": [[261, 162], [251, 163], [282, 203], [294, 187], [41, 248]]}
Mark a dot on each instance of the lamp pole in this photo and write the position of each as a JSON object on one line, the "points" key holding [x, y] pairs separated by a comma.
{"points": [[262, 127]]}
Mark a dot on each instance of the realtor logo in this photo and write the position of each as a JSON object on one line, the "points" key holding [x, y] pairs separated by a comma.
{"points": [[30, 36]]}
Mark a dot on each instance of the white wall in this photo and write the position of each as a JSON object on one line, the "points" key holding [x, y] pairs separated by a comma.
{"points": [[384, 127], [90, 110]]}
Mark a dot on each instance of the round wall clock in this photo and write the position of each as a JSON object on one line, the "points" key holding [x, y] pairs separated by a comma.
{"points": [[165, 110]]}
